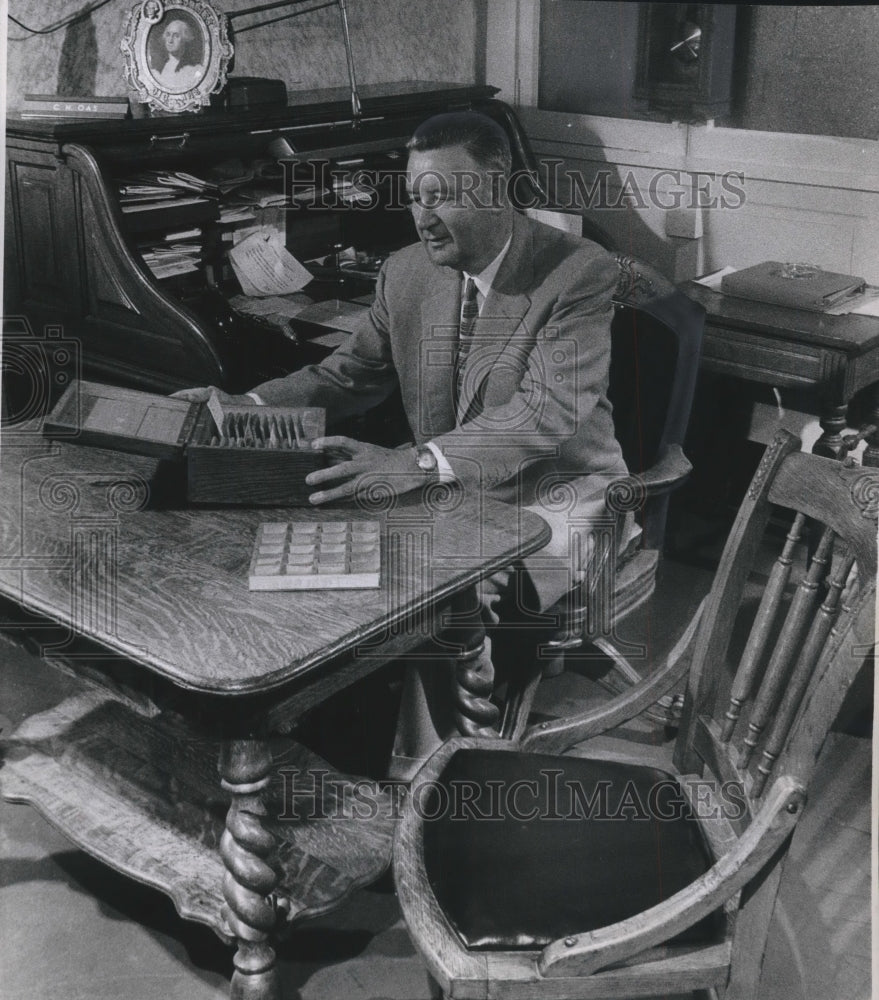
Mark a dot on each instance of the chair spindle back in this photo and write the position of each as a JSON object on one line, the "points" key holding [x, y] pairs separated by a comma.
{"points": [[765, 713]]}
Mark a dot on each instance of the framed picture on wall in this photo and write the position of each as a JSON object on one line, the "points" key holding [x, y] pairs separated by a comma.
{"points": [[176, 53]]}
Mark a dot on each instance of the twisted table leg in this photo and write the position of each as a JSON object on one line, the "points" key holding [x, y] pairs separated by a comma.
{"points": [[474, 713], [871, 453], [245, 847]]}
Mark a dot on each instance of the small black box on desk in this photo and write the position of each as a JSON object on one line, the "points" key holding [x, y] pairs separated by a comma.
{"points": [[250, 455], [243, 92]]}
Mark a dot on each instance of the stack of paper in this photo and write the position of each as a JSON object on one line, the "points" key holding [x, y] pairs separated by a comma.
{"points": [[168, 259], [230, 214], [352, 193], [157, 189], [177, 180], [259, 195]]}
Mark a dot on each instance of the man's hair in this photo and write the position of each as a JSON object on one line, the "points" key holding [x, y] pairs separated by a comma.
{"points": [[186, 31], [482, 138]]}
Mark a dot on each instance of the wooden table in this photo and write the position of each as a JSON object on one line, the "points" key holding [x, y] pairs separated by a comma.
{"points": [[186, 667], [835, 356]]}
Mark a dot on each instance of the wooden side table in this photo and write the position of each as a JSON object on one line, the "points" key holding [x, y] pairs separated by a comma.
{"points": [[834, 356]]}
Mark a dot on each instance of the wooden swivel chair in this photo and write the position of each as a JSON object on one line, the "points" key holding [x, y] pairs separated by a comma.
{"points": [[656, 341], [522, 872]]}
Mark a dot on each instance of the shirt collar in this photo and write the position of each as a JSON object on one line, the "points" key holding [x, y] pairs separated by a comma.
{"points": [[487, 275]]}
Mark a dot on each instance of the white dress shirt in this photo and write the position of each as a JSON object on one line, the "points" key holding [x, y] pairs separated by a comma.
{"points": [[483, 282]]}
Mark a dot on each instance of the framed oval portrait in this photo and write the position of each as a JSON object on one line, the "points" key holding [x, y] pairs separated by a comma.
{"points": [[176, 53]]}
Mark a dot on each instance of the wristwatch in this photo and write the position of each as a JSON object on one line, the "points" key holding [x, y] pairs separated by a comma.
{"points": [[425, 460]]}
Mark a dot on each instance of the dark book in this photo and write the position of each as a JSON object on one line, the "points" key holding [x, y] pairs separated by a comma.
{"points": [[798, 286]]}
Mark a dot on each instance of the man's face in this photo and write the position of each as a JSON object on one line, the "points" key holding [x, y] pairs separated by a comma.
{"points": [[455, 209], [173, 37]]}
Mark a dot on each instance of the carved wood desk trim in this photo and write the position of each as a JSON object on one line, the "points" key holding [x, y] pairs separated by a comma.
{"points": [[184, 667]]}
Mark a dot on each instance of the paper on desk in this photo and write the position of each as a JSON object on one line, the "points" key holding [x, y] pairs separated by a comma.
{"points": [[268, 221], [868, 309], [264, 266], [271, 305], [714, 279], [335, 314], [865, 303]]}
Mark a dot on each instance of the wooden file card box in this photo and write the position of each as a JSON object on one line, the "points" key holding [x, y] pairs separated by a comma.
{"points": [[261, 457]]}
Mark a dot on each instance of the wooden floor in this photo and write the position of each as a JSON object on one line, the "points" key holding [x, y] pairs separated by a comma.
{"points": [[821, 936], [73, 930]]}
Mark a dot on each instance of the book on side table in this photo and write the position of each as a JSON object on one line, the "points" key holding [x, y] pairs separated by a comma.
{"points": [[798, 286]]}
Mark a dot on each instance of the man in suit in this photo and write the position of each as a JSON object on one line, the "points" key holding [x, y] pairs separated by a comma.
{"points": [[496, 329]]}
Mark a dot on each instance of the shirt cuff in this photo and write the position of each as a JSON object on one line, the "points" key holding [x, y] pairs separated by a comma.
{"points": [[256, 398], [446, 475]]}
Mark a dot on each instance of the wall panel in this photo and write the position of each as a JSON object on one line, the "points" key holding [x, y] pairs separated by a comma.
{"points": [[806, 197]]}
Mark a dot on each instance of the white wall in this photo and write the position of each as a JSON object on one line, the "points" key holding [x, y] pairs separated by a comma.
{"points": [[806, 198], [803, 197]]}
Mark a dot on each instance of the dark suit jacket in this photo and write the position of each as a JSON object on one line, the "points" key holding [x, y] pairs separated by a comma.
{"points": [[534, 423]]}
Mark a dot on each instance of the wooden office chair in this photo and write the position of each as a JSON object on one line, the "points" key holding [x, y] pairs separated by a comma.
{"points": [[656, 343], [522, 872], [527, 189]]}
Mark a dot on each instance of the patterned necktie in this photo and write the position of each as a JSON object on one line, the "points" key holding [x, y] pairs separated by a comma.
{"points": [[469, 313]]}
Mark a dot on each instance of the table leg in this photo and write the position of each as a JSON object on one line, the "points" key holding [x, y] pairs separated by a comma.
{"points": [[245, 765], [871, 452], [832, 420], [474, 713]]}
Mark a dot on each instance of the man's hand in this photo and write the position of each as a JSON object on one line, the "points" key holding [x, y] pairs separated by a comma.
{"points": [[201, 394], [360, 466]]}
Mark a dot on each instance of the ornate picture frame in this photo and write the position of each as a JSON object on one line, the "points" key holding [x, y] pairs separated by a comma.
{"points": [[176, 53]]}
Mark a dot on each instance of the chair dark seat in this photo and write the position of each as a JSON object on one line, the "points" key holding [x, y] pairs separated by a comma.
{"points": [[588, 908], [506, 818]]}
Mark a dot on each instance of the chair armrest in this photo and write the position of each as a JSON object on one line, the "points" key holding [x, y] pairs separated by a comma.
{"points": [[594, 950], [665, 475], [668, 472], [558, 735]]}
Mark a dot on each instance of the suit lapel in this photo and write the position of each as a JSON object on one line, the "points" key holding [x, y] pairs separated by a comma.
{"points": [[440, 312], [500, 317]]}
